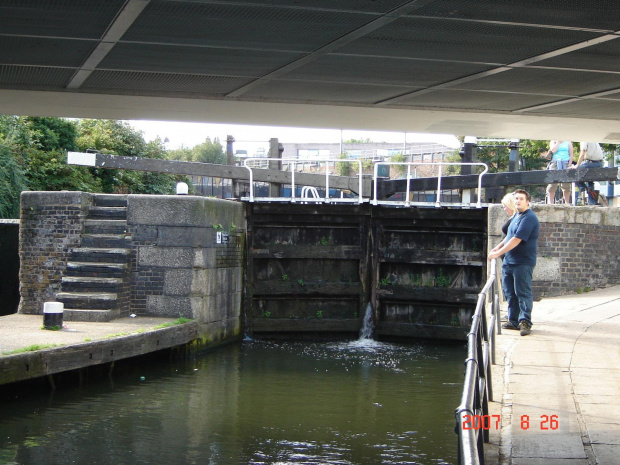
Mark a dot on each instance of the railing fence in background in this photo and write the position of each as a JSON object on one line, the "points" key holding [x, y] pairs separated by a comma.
{"points": [[291, 163], [407, 202], [473, 421]]}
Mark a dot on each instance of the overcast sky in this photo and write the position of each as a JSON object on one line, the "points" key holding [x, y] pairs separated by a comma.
{"points": [[190, 134]]}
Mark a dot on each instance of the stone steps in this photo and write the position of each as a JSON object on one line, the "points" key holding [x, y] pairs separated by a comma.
{"points": [[110, 200], [91, 284], [107, 213], [96, 282], [97, 269], [94, 254], [77, 314], [88, 300], [100, 226], [112, 241]]}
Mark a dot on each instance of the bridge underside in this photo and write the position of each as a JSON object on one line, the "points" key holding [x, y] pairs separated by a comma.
{"points": [[469, 67]]}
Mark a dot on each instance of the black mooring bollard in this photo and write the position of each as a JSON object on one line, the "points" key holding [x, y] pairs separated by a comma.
{"points": [[52, 315]]}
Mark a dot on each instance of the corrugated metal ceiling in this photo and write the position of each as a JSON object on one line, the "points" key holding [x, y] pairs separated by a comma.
{"points": [[502, 56]]}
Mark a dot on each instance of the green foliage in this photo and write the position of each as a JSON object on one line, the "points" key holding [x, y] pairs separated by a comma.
{"points": [[12, 181], [385, 281], [53, 133], [343, 168], [31, 348], [48, 171], [33, 157], [530, 153], [15, 131], [496, 158], [110, 136], [416, 280], [210, 152], [182, 154], [399, 158], [119, 138], [441, 280], [113, 137], [179, 321]]}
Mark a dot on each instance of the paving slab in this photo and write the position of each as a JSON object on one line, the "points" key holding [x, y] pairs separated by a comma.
{"points": [[27, 351], [569, 367]]}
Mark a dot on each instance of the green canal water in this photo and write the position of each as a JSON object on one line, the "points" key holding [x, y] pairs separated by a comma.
{"points": [[257, 402]]}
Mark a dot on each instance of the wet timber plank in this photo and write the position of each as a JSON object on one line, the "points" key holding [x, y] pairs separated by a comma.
{"points": [[435, 257], [428, 294], [413, 330], [304, 325], [263, 288]]}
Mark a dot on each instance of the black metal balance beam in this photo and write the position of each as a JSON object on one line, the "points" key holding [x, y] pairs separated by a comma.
{"points": [[99, 160], [386, 188]]}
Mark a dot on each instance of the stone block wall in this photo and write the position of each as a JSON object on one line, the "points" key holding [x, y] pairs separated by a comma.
{"points": [[577, 247], [189, 260], [50, 227]]}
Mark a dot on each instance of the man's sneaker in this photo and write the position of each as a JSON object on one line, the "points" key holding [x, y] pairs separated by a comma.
{"points": [[509, 325], [525, 327]]}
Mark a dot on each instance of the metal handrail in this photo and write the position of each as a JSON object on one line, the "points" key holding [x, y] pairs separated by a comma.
{"points": [[477, 390], [440, 164], [292, 163]]}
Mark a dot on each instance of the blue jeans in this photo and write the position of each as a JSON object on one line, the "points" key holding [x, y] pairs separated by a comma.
{"points": [[587, 186], [517, 287]]}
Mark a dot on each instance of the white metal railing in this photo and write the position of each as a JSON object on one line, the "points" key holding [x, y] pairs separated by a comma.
{"points": [[292, 163], [473, 421], [407, 202]]}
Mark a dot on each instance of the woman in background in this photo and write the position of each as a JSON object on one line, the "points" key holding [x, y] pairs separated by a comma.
{"points": [[561, 155], [508, 202]]}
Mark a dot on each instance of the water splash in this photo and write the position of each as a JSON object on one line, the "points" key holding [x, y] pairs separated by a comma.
{"points": [[368, 326]]}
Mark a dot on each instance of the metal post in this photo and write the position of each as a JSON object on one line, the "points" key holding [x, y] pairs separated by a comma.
{"points": [[230, 160], [470, 148], [513, 160], [274, 152]]}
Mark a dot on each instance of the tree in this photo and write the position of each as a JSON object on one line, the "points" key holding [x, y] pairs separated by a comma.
{"points": [[12, 181], [49, 171], [182, 154], [160, 183], [53, 133], [209, 152], [119, 138], [110, 136]]}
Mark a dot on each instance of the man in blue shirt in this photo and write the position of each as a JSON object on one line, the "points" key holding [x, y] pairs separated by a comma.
{"points": [[519, 247]]}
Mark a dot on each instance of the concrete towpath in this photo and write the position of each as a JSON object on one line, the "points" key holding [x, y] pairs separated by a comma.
{"points": [[557, 391]]}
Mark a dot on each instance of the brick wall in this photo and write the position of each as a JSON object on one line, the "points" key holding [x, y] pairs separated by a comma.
{"points": [[50, 226], [577, 248]]}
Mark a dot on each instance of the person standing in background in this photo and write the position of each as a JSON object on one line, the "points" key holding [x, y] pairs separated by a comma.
{"points": [[508, 202], [519, 248], [591, 156], [561, 156]]}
